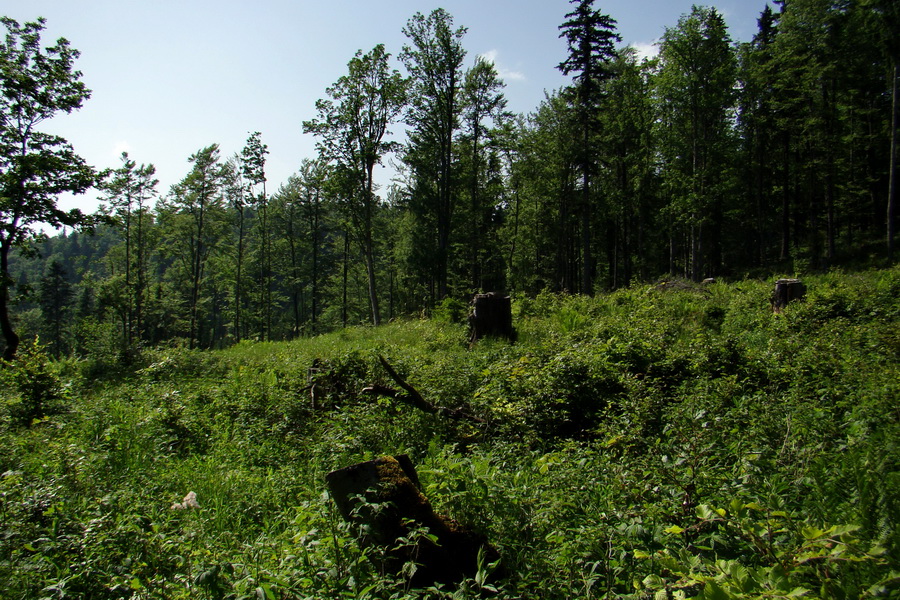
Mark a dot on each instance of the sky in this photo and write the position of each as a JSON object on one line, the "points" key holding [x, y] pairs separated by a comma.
{"points": [[169, 77]]}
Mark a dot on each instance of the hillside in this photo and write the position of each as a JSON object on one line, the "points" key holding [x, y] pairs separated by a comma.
{"points": [[671, 440]]}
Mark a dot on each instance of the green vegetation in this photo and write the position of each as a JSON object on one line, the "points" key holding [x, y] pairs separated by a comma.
{"points": [[668, 441]]}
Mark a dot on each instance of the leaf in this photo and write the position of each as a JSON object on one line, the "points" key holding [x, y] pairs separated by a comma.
{"points": [[709, 513], [674, 529], [712, 591], [267, 590], [812, 533]]}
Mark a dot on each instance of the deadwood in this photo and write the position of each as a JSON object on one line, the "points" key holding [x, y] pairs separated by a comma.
{"points": [[410, 395]]}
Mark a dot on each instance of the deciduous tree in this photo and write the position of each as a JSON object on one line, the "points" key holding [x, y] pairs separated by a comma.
{"points": [[353, 127], [36, 84], [434, 60]]}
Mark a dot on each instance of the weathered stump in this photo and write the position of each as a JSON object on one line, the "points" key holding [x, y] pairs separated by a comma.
{"points": [[491, 316], [786, 291], [383, 497]]}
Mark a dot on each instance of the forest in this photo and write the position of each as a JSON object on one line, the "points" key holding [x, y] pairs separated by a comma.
{"points": [[712, 159], [185, 371]]}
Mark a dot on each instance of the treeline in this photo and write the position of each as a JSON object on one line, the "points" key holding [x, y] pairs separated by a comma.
{"points": [[713, 158]]}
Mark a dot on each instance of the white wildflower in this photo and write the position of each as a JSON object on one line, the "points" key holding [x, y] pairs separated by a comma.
{"points": [[190, 501]]}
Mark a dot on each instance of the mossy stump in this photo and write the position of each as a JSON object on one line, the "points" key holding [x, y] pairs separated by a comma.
{"points": [[392, 506]]}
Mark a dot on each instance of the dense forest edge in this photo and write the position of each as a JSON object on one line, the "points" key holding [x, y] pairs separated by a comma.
{"points": [[679, 439]]}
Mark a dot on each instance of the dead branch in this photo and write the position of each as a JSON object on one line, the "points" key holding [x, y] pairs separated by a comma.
{"points": [[413, 397]]}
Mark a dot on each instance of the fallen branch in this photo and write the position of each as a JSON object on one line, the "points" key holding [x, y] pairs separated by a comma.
{"points": [[414, 398]]}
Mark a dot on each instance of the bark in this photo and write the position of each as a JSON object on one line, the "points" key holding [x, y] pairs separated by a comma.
{"points": [[12, 340], [370, 246], [892, 185]]}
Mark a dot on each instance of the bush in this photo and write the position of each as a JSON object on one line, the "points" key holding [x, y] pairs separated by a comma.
{"points": [[33, 386]]}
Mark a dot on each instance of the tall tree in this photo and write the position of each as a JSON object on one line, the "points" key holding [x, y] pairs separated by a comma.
{"points": [[128, 192], [630, 181], [762, 145], [253, 171], [885, 18], [484, 107], [591, 38], [235, 194], [193, 212], [36, 84], [434, 60], [546, 173], [696, 88], [352, 126], [313, 175]]}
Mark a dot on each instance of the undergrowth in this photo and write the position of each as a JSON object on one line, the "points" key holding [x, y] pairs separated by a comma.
{"points": [[669, 441]]}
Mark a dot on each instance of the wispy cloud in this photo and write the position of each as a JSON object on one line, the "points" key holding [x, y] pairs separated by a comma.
{"points": [[504, 73]]}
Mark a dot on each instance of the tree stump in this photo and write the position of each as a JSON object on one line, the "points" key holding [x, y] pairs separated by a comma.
{"points": [[786, 291], [383, 497], [491, 316]]}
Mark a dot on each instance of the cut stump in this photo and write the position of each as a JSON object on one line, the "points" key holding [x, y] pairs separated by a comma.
{"points": [[383, 497], [491, 316], [786, 291]]}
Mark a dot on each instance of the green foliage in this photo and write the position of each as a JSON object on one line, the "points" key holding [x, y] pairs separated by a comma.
{"points": [[451, 310], [32, 387]]}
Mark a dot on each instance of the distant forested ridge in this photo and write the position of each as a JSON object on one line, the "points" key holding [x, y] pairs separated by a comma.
{"points": [[711, 159]]}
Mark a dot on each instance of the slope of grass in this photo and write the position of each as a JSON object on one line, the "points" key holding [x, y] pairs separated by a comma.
{"points": [[662, 441]]}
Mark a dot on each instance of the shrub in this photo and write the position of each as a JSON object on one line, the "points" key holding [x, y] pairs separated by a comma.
{"points": [[35, 386]]}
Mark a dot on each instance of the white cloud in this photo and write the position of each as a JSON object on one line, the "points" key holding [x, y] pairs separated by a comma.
{"points": [[646, 49], [504, 73], [490, 56]]}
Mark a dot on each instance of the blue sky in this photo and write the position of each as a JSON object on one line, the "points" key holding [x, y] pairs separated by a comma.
{"points": [[172, 76]]}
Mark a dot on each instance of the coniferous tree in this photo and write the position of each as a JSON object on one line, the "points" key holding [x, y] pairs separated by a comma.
{"points": [[884, 21], [253, 175], [236, 199], [591, 38], [55, 295], [193, 216], [128, 192]]}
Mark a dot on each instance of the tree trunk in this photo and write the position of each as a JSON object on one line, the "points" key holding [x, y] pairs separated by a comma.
{"points": [[369, 208], [786, 202], [12, 340], [892, 185]]}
